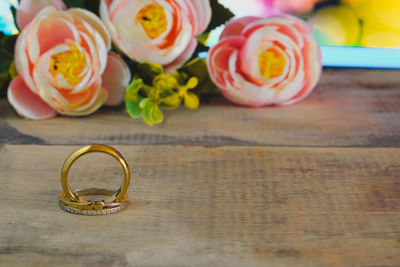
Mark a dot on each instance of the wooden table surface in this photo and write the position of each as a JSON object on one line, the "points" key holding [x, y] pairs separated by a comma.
{"points": [[313, 184]]}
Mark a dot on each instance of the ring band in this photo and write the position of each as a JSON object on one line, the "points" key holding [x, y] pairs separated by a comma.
{"points": [[93, 207], [72, 201]]}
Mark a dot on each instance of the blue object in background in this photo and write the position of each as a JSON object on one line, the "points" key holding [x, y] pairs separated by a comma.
{"points": [[7, 24], [360, 57]]}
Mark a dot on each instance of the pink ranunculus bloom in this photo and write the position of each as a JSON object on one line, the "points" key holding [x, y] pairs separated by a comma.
{"points": [[159, 31], [64, 64], [271, 61]]}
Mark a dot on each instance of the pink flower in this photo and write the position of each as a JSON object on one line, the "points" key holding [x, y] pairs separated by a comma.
{"points": [[268, 61], [159, 31], [64, 63], [294, 6]]}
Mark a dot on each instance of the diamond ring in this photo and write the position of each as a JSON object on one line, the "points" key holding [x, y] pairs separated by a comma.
{"points": [[73, 200]]}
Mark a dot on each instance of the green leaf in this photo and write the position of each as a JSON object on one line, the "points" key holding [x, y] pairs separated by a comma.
{"points": [[92, 6], [220, 15], [147, 107], [156, 114], [12, 70], [132, 92], [14, 14], [74, 3], [5, 62], [134, 86], [151, 112], [3, 78], [145, 103], [192, 101], [5, 55], [148, 71], [198, 68], [4, 81], [202, 38], [5, 66], [8, 43], [133, 108]]}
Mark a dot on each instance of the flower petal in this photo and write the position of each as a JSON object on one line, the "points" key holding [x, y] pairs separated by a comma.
{"points": [[185, 56], [236, 26], [219, 57], [49, 28], [93, 21], [28, 9], [202, 15], [26, 103], [116, 78], [22, 63]]}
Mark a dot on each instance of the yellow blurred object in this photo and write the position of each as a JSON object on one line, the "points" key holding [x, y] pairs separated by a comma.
{"points": [[381, 39], [336, 25], [381, 22]]}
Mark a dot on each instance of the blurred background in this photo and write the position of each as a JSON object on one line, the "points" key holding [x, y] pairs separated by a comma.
{"points": [[366, 23], [362, 23]]}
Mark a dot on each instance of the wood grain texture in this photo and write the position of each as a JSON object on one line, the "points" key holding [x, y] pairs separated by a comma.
{"points": [[208, 206], [350, 108], [313, 184]]}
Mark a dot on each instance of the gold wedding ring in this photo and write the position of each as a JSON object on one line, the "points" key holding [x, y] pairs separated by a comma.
{"points": [[73, 200]]}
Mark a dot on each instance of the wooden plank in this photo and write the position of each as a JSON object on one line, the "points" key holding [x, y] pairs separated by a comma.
{"points": [[349, 108], [207, 206]]}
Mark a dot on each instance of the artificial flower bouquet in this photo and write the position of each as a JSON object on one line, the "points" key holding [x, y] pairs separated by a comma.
{"points": [[71, 60]]}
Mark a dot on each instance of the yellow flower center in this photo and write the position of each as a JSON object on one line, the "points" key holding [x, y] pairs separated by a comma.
{"points": [[153, 20], [271, 63], [70, 64]]}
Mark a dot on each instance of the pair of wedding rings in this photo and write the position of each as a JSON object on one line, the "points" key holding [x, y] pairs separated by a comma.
{"points": [[75, 201]]}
